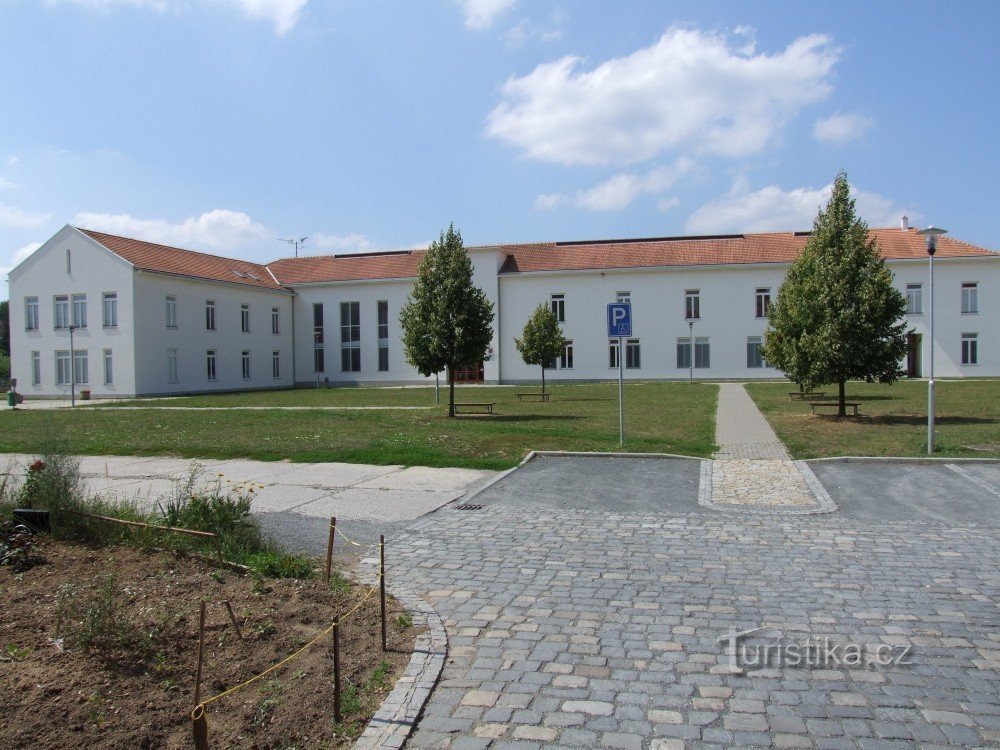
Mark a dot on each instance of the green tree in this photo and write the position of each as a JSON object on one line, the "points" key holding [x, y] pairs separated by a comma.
{"points": [[447, 321], [838, 316], [542, 339], [4, 328]]}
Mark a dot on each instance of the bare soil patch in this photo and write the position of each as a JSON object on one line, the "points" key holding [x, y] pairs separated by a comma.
{"points": [[137, 691]]}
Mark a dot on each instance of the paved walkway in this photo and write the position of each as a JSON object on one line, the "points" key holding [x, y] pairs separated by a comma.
{"points": [[578, 627], [741, 431], [297, 499], [752, 466]]}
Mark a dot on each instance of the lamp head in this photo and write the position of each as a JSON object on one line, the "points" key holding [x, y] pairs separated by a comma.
{"points": [[930, 236]]}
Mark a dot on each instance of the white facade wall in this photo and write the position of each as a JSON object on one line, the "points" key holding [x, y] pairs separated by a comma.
{"points": [[191, 340], [93, 270]]}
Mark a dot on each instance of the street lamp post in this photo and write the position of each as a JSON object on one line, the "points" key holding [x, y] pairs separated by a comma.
{"points": [[930, 236], [72, 367], [691, 351]]}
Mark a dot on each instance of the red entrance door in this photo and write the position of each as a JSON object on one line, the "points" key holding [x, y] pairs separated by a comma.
{"points": [[474, 374]]}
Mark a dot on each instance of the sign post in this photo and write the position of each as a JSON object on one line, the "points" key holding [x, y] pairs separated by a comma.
{"points": [[620, 327]]}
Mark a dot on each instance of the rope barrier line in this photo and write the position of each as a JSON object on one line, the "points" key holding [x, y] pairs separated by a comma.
{"points": [[347, 539], [199, 710]]}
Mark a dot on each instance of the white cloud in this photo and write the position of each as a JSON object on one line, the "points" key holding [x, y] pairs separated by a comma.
{"points": [[16, 218], [527, 30], [772, 209], [841, 128], [341, 243], [220, 229], [284, 14], [619, 191], [689, 89], [480, 14], [6, 184], [665, 204]]}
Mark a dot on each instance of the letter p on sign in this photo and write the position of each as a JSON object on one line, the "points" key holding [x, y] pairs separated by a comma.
{"points": [[619, 319]]}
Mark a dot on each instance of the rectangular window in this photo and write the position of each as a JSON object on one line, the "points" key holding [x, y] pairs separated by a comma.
{"points": [[275, 327], [350, 337], [970, 348], [172, 366], [754, 357], [914, 299], [318, 359], [245, 318], [613, 353], [63, 374], [632, 360], [692, 304], [110, 309], [69, 260], [210, 315], [210, 362], [172, 311], [109, 368], [80, 368], [80, 310], [31, 313], [36, 368], [276, 364], [702, 358], [763, 296], [684, 354], [970, 298], [623, 298], [246, 364], [382, 307], [565, 361], [62, 311], [558, 303]]}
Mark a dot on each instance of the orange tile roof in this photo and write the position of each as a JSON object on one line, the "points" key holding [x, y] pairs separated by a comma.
{"points": [[769, 247], [360, 267], [738, 249], [149, 256]]}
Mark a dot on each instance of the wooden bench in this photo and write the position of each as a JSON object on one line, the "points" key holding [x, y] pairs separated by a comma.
{"points": [[533, 396], [803, 396], [485, 408], [849, 404]]}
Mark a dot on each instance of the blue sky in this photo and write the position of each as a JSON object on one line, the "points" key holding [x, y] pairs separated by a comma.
{"points": [[225, 124]]}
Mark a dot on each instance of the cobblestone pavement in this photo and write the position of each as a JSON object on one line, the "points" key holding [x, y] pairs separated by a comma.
{"points": [[584, 628]]}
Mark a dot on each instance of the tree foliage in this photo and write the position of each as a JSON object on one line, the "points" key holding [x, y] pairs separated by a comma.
{"points": [[838, 316], [5, 328], [447, 321], [541, 340]]}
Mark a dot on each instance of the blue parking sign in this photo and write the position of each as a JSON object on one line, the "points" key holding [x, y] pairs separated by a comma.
{"points": [[619, 319]]}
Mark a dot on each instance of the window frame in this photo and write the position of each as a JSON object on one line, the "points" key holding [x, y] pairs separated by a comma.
{"points": [[210, 315], [350, 336], [915, 294], [170, 311], [557, 304], [78, 301], [109, 302], [246, 367], [382, 330], [275, 321], [109, 367], [173, 370], [633, 354], [762, 301], [972, 288], [692, 304], [705, 343], [319, 345], [32, 321], [245, 317], [61, 302], [613, 354], [276, 364], [970, 349], [754, 353], [64, 367], [684, 353], [212, 366], [81, 367], [565, 360], [36, 368]]}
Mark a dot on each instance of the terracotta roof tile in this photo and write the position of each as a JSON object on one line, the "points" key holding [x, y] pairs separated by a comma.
{"points": [[319, 268], [149, 256], [770, 247]]}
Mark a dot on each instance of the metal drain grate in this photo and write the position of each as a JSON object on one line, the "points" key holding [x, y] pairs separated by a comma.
{"points": [[468, 506]]}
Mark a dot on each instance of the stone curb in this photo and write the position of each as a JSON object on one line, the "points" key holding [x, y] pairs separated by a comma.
{"points": [[904, 460], [824, 503], [397, 717]]}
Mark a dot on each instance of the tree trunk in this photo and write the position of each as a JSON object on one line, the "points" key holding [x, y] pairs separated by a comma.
{"points": [[842, 409], [451, 392], [543, 378], [802, 387]]}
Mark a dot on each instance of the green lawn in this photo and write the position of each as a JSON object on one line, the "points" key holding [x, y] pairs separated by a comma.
{"points": [[660, 417], [893, 421]]}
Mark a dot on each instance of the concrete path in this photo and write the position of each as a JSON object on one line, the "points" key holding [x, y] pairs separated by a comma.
{"points": [[576, 626], [752, 466], [741, 431], [297, 499]]}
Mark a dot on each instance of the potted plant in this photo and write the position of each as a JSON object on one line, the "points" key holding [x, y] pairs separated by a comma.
{"points": [[85, 394]]}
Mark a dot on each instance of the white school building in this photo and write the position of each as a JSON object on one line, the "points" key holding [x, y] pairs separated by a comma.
{"points": [[147, 319]]}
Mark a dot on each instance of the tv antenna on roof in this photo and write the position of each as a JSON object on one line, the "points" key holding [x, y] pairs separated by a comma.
{"points": [[298, 243]]}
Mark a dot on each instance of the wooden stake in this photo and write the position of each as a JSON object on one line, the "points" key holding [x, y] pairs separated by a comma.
{"points": [[200, 728], [381, 581], [329, 547], [336, 670], [232, 619], [201, 655]]}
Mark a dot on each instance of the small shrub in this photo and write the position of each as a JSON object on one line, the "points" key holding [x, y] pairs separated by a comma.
{"points": [[13, 652], [404, 620], [97, 620]]}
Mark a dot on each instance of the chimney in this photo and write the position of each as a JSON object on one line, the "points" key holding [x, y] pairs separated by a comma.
{"points": [[904, 223]]}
